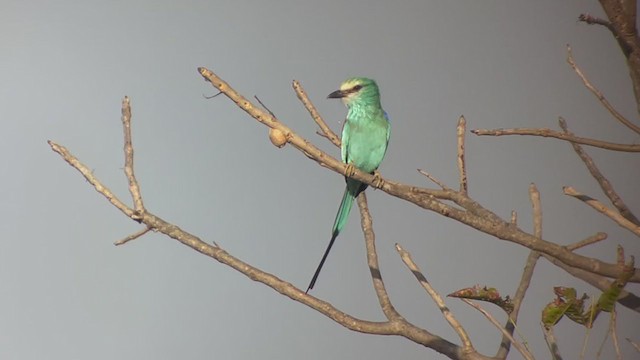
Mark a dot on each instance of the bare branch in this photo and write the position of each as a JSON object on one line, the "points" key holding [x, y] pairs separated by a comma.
{"points": [[432, 178], [599, 95], [461, 130], [88, 175], [527, 274], [372, 260], [326, 130], [550, 338], [544, 132], [634, 344], [134, 188], [591, 20], [453, 322], [524, 351], [604, 183], [534, 196], [601, 208], [614, 333], [132, 236], [532, 242], [587, 241]]}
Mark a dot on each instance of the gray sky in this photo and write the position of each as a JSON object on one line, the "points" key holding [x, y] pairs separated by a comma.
{"points": [[68, 293]]}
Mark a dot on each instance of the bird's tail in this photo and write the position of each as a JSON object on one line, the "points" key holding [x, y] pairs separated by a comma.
{"points": [[351, 191]]}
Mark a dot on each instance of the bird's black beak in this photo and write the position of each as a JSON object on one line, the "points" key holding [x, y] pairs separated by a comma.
{"points": [[338, 94]]}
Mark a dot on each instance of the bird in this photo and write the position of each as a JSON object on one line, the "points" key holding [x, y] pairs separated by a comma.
{"points": [[365, 136]]}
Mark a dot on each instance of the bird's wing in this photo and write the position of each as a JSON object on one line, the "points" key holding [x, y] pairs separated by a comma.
{"points": [[386, 116], [344, 149]]}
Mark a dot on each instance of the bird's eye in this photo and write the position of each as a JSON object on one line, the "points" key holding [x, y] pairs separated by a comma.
{"points": [[357, 88]]}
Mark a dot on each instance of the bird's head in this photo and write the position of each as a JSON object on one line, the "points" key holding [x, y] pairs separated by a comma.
{"points": [[357, 90]]}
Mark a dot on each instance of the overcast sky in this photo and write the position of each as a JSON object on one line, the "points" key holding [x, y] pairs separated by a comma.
{"points": [[68, 293]]}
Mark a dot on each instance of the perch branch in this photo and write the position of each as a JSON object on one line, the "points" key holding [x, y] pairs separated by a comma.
{"points": [[477, 216]]}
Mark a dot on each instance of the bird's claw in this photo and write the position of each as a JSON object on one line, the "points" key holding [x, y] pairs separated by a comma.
{"points": [[350, 170], [377, 180]]}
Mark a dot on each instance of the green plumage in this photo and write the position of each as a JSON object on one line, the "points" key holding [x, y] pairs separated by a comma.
{"points": [[365, 136]]}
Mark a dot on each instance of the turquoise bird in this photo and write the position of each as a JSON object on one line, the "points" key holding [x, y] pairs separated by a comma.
{"points": [[365, 135]]}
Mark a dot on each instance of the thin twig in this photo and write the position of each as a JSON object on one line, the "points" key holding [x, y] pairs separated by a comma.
{"points": [[585, 340], [132, 236], [372, 260], [448, 315], [524, 351], [134, 188], [591, 20], [432, 178], [550, 338], [212, 96], [599, 95], [614, 333], [597, 237], [461, 131], [527, 274], [326, 130], [596, 20], [600, 207], [88, 175], [634, 344], [604, 341], [543, 132], [604, 183], [264, 106], [534, 196]]}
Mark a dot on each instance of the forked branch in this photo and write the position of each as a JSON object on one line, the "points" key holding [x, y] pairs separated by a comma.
{"points": [[396, 325]]}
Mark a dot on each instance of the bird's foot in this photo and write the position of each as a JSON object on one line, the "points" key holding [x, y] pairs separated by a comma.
{"points": [[350, 170], [377, 180]]}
